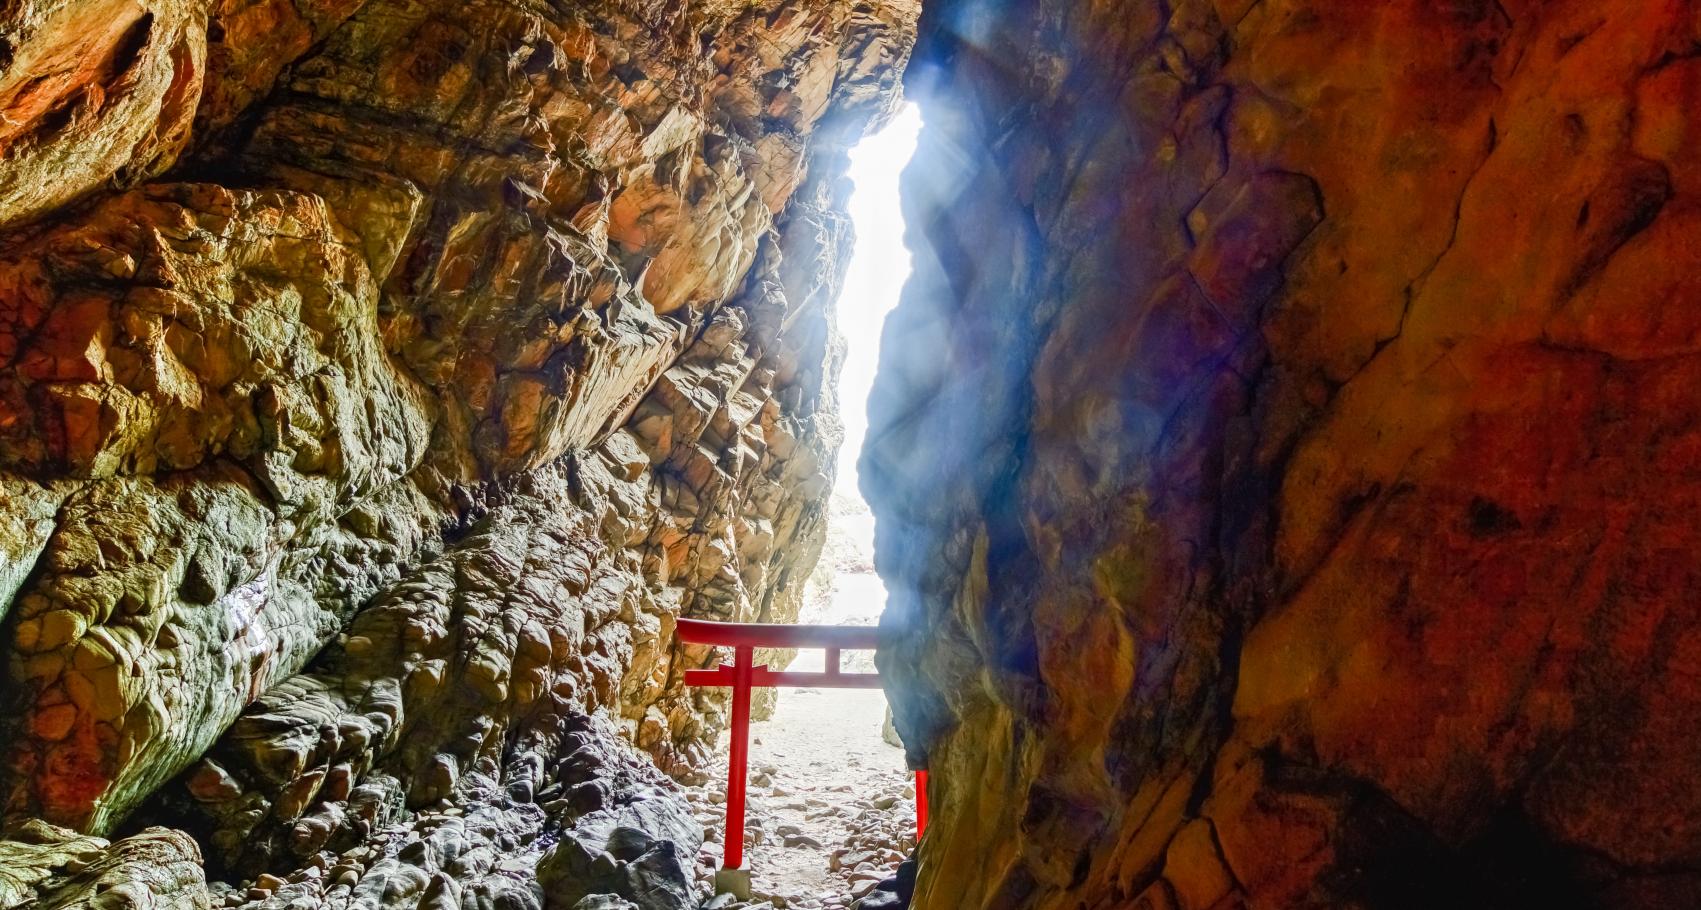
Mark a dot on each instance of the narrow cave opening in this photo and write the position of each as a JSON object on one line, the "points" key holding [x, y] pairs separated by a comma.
{"points": [[847, 591], [831, 805]]}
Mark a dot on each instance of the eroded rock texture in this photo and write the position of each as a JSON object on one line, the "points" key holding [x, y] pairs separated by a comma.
{"points": [[1286, 454], [380, 380]]}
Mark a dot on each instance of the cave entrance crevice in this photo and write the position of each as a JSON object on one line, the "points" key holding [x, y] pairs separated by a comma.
{"points": [[831, 804]]}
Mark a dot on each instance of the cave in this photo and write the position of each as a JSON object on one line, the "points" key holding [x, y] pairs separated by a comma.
{"points": [[1273, 508]]}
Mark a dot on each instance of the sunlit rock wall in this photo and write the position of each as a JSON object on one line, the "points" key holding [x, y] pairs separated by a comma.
{"points": [[1287, 455], [382, 378]]}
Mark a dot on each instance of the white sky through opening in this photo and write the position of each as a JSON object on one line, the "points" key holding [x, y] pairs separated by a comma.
{"points": [[878, 267], [844, 588]]}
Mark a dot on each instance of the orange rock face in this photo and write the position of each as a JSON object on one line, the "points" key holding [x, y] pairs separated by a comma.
{"points": [[93, 93], [1299, 513], [379, 380]]}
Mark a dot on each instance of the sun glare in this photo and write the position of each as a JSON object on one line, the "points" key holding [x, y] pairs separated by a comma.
{"points": [[878, 268]]}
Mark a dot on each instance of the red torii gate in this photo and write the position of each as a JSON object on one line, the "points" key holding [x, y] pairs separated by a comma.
{"points": [[742, 675]]}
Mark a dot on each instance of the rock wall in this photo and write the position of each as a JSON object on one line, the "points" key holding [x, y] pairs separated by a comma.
{"points": [[381, 379], [1285, 454]]}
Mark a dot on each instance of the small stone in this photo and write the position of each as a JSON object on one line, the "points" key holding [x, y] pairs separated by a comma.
{"points": [[735, 882]]}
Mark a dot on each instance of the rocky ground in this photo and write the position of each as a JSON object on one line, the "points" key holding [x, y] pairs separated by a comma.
{"points": [[831, 808], [593, 827]]}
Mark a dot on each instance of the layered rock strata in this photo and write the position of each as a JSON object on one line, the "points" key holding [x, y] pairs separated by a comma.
{"points": [[380, 380], [1285, 454]]}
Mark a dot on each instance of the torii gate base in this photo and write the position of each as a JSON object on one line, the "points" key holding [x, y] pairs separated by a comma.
{"points": [[743, 675]]}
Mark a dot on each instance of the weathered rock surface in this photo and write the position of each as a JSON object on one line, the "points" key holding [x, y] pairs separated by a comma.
{"points": [[49, 867], [209, 362], [379, 379], [93, 94], [1285, 455], [579, 791]]}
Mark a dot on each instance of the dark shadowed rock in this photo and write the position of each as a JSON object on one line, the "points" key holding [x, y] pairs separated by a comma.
{"points": [[1284, 451]]}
